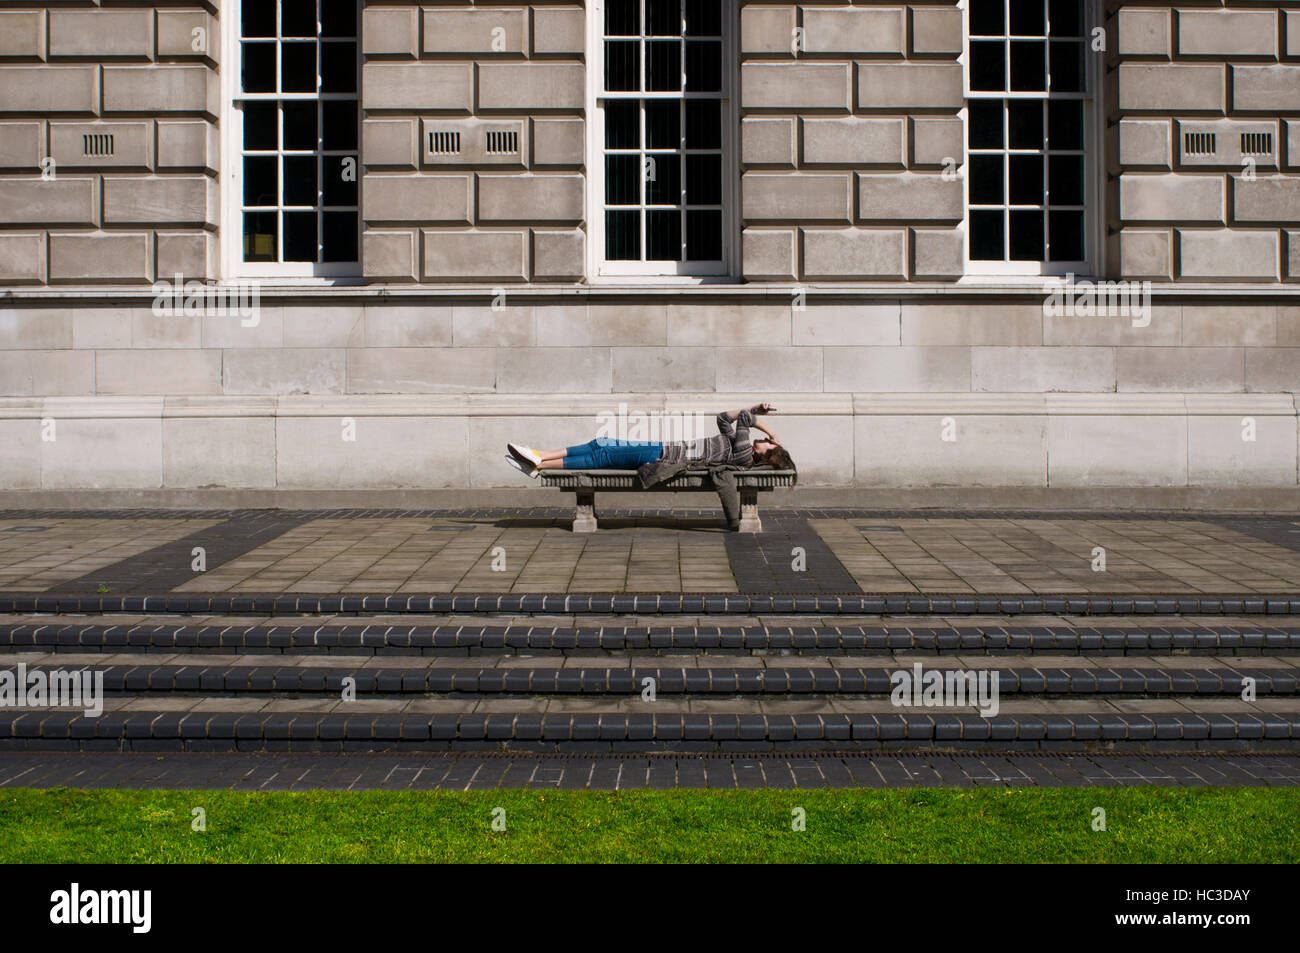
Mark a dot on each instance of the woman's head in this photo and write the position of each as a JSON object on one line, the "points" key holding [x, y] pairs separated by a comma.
{"points": [[767, 453]]}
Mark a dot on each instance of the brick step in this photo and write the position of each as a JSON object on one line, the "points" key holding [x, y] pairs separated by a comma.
{"points": [[1236, 638], [392, 729], [425, 676]]}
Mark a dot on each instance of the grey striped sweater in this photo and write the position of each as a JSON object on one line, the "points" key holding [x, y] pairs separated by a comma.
{"points": [[731, 445]]}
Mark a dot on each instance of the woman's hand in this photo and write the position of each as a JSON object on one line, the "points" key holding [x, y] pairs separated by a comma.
{"points": [[759, 409]]}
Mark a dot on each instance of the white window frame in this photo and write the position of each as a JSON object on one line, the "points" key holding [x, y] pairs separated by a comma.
{"points": [[629, 272], [976, 271], [232, 184]]}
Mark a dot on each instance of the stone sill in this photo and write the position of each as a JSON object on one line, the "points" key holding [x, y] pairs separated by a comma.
{"points": [[559, 293]]}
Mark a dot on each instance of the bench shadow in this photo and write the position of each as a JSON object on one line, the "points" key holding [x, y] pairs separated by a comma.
{"points": [[713, 524]]}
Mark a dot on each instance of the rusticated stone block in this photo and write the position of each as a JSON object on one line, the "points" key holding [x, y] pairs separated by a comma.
{"points": [[1171, 198], [1227, 33], [475, 32], [22, 257], [1272, 198], [390, 30], [852, 141], [856, 31], [909, 196], [531, 86], [72, 147], [767, 142], [389, 255], [855, 253], [389, 142], [767, 29], [101, 33], [416, 198], [21, 145], [446, 86], [1292, 32], [1144, 32], [558, 254], [910, 86], [785, 197], [558, 142], [1265, 87], [938, 253], [61, 201], [1293, 254], [115, 258], [1146, 253], [558, 30], [936, 31], [190, 254], [163, 199], [768, 253], [937, 141], [533, 198], [1144, 142], [1164, 87], [49, 89], [22, 33], [1226, 254], [188, 145], [187, 33], [161, 89], [475, 256], [795, 86]]}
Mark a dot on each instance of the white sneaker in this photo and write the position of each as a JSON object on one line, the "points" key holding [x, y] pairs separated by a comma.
{"points": [[525, 454], [520, 467]]}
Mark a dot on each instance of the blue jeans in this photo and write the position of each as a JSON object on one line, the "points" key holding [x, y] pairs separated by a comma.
{"points": [[606, 454]]}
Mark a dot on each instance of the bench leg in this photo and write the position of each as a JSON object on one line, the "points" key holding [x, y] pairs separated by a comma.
{"points": [[749, 521], [584, 516]]}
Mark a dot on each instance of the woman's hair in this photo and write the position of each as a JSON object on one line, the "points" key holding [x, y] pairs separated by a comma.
{"points": [[778, 458]]}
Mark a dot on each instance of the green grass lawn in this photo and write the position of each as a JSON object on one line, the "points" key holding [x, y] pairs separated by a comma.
{"points": [[1144, 825]]}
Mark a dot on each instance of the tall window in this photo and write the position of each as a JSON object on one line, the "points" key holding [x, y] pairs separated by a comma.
{"points": [[1026, 128], [662, 136], [297, 136]]}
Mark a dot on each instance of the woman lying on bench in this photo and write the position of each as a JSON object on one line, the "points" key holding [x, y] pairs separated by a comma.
{"points": [[732, 446]]}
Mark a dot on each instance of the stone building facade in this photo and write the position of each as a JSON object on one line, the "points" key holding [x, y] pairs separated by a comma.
{"points": [[473, 222]]}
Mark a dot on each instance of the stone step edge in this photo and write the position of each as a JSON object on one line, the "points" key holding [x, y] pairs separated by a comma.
{"points": [[120, 731], [656, 604]]}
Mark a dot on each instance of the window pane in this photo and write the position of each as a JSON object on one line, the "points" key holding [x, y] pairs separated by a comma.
{"points": [[1066, 17], [704, 180], [663, 18], [338, 67], [1027, 236], [622, 180], [623, 236], [340, 238], [621, 17], [1066, 236], [300, 125], [299, 236], [300, 180], [622, 66], [259, 68], [297, 17], [260, 236], [1025, 123], [1065, 124], [261, 180], [986, 17], [622, 124], [1066, 180], [988, 66], [986, 180], [335, 188], [338, 18], [1027, 18], [663, 235], [704, 236], [340, 124], [704, 66], [298, 67], [663, 118], [1026, 186], [1028, 66], [664, 179], [703, 18], [260, 126], [987, 236], [986, 124], [1067, 67], [663, 65], [257, 19], [703, 124]]}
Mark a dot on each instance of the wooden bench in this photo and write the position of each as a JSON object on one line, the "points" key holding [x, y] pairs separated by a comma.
{"points": [[584, 484]]}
